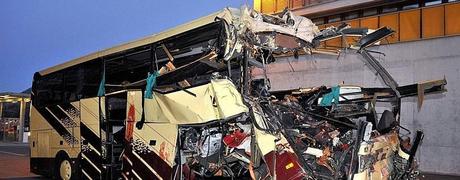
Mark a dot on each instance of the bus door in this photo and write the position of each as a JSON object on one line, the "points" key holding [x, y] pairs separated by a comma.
{"points": [[113, 132]]}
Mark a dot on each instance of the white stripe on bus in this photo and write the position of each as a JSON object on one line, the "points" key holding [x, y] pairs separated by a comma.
{"points": [[83, 155], [146, 164], [86, 174]]}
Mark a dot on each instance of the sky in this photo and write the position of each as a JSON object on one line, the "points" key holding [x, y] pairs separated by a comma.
{"points": [[38, 34]]}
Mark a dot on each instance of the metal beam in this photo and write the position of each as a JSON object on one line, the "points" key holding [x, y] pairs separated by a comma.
{"points": [[381, 71]]}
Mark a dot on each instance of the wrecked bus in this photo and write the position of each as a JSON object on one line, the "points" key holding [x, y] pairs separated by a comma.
{"points": [[182, 104]]}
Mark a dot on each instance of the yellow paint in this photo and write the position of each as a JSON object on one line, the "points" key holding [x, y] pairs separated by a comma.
{"points": [[257, 5], [433, 22], [47, 140], [290, 165], [214, 101], [89, 113]]}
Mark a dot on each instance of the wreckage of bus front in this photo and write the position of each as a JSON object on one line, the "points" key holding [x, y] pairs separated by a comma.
{"points": [[234, 126]]}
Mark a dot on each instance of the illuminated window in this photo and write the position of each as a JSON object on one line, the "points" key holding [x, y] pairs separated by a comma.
{"points": [[409, 25], [452, 22], [268, 6], [281, 5], [433, 21]]}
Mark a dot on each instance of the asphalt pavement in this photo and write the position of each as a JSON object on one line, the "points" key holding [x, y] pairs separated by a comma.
{"points": [[14, 161], [14, 164], [20, 149]]}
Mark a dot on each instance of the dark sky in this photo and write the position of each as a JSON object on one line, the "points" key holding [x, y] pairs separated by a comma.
{"points": [[38, 34]]}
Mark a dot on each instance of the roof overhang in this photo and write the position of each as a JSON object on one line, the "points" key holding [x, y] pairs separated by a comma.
{"points": [[14, 97]]}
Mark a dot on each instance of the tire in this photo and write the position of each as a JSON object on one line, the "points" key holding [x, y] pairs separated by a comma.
{"points": [[63, 168]]}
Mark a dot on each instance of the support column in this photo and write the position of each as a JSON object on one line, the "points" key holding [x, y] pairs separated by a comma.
{"points": [[1, 110], [22, 112], [1, 121]]}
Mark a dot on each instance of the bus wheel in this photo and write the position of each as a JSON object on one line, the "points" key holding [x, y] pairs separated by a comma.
{"points": [[65, 169]]}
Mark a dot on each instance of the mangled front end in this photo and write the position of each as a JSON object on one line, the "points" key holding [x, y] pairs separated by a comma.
{"points": [[342, 132], [234, 126]]}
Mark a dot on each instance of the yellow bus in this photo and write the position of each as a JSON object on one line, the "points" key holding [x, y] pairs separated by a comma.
{"points": [[182, 104]]}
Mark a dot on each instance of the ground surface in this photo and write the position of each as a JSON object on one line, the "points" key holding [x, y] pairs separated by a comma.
{"points": [[14, 161], [14, 164]]}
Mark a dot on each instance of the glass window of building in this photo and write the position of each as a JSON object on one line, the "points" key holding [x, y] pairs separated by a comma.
{"points": [[410, 6], [318, 21], [370, 12], [335, 18], [432, 2], [351, 15], [388, 9]]}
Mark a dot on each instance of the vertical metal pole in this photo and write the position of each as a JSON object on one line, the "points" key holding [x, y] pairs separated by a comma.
{"points": [[155, 58], [1, 110], [1, 121], [245, 69], [22, 112]]}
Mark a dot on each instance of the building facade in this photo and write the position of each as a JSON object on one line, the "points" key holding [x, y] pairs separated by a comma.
{"points": [[425, 46]]}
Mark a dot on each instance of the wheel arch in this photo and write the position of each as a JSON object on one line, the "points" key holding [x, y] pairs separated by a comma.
{"points": [[62, 154]]}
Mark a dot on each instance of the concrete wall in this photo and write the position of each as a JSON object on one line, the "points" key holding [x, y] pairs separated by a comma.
{"points": [[408, 63]]}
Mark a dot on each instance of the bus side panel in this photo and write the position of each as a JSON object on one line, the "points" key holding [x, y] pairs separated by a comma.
{"points": [[53, 129], [91, 156], [152, 149]]}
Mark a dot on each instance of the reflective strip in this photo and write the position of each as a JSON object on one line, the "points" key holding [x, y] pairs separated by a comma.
{"points": [[124, 175], [94, 149], [147, 165], [137, 175], [87, 159], [127, 159], [86, 174]]}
